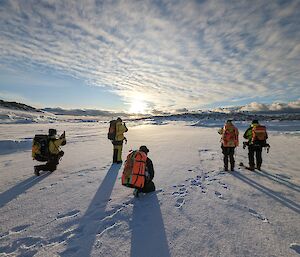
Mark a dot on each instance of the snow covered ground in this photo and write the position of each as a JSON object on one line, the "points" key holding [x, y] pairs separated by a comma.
{"points": [[82, 209]]}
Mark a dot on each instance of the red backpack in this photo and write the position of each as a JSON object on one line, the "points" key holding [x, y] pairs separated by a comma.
{"points": [[134, 170], [259, 134], [230, 136]]}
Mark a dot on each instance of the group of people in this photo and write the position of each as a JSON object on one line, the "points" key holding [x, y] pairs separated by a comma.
{"points": [[50, 152], [256, 136], [117, 140]]}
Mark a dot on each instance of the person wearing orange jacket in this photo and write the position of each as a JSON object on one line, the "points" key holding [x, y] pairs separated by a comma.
{"points": [[149, 185], [118, 141], [229, 140]]}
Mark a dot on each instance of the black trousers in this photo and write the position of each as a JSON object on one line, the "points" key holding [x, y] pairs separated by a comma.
{"points": [[255, 150], [51, 164], [148, 187], [228, 153]]}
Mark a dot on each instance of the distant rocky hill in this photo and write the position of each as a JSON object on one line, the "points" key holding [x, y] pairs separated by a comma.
{"points": [[236, 116], [17, 106], [83, 112]]}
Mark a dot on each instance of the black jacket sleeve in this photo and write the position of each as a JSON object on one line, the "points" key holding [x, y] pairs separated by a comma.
{"points": [[150, 169]]}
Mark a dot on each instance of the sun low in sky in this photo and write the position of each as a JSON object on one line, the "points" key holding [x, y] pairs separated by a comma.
{"points": [[176, 54]]}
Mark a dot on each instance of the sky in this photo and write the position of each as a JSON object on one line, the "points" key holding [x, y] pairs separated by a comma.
{"points": [[140, 56]]}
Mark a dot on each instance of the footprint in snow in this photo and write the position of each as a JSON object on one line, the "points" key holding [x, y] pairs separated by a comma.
{"points": [[181, 185], [219, 195], [158, 191], [295, 247], [196, 182], [19, 229], [4, 234], [257, 215], [68, 214], [179, 202], [223, 185]]}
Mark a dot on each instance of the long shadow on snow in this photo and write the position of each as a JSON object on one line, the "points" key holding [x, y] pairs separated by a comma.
{"points": [[279, 180], [148, 232], [88, 226], [275, 195], [20, 188]]}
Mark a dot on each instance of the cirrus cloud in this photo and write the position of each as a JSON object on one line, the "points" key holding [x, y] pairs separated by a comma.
{"points": [[173, 54]]}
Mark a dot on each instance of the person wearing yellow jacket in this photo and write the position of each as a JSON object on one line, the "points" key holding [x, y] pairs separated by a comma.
{"points": [[255, 145], [118, 142], [55, 152]]}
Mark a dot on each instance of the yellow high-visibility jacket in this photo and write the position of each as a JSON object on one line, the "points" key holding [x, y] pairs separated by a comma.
{"points": [[54, 145], [120, 130]]}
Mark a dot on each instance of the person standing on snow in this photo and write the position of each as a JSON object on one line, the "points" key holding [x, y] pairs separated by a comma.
{"points": [[118, 141], [256, 135], [55, 152], [229, 140]]}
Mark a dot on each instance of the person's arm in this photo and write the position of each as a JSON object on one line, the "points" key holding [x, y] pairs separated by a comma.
{"points": [[246, 136], [150, 168], [61, 140], [237, 136], [126, 129]]}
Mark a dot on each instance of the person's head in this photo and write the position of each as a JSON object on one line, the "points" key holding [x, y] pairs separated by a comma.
{"points": [[52, 132], [119, 119], [144, 149], [229, 121], [254, 122]]}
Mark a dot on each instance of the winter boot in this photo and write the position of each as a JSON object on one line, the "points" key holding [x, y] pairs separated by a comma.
{"points": [[36, 171], [136, 192]]}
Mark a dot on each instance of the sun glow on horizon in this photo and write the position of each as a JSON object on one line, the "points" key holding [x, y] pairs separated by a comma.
{"points": [[137, 106]]}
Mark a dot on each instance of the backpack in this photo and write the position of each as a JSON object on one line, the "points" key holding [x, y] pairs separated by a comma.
{"points": [[134, 170], [40, 148], [230, 136], [259, 135], [111, 135]]}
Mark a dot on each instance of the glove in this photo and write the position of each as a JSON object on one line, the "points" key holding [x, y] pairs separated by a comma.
{"points": [[63, 135]]}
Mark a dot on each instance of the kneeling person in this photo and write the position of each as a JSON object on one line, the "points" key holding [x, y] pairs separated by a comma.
{"points": [[47, 148], [138, 171], [149, 173]]}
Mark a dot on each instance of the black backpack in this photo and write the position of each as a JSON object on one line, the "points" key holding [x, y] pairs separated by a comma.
{"points": [[40, 148], [111, 135]]}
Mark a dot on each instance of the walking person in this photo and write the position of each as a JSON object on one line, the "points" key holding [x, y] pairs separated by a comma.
{"points": [[229, 141], [257, 137]]}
